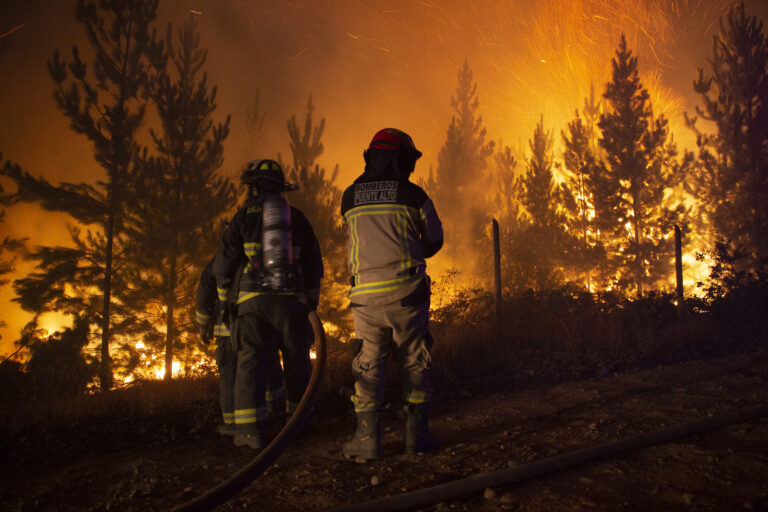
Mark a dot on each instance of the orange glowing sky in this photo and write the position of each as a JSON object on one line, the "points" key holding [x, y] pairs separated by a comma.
{"points": [[367, 66]]}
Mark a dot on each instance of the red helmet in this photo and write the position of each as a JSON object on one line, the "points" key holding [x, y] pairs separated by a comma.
{"points": [[392, 139]]}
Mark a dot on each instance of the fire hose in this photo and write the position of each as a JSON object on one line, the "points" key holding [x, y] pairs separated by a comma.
{"points": [[240, 480], [422, 498]]}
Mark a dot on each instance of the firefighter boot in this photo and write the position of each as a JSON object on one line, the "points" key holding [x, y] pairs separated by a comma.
{"points": [[366, 443], [256, 440], [226, 429], [418, 438], [276, 408]]}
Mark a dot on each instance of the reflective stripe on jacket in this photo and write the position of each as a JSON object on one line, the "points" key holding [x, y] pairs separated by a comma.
{"points": [[207, 300], [243, 241], [392, 228]]}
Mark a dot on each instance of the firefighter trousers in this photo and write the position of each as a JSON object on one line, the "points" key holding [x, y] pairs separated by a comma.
{"points": [[226, 361], [227, 364], [270, 323], [402, 330]]}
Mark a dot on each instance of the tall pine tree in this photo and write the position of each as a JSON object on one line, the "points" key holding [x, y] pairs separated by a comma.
{"points": [[318, 198], [540, 245], [506, 199], [181, 198], [108, 109], [732, 177], [629, 189], [581, 166], [461, 165]]}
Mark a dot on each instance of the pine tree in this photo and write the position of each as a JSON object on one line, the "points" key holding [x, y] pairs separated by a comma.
{"points": [[460, 167], [254, 123], [65, 281], [629, 189], [181, 199], [318, 198], [7, 244], [581, 166], [541, 241], [508, 188], [538, 183], [108, 109], [732, 177], [506, 198], [593, 108]]}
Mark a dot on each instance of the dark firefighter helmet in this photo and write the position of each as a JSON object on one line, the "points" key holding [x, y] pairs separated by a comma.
{"points": [[391, 149], [392, 139], [267, 176]]}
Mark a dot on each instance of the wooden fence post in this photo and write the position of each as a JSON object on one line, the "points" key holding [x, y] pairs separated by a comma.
{"points": [[679, 271], [497, 275]]}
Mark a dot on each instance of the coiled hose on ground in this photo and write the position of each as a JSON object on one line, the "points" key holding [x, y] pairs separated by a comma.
{"points": [[240, 480]]}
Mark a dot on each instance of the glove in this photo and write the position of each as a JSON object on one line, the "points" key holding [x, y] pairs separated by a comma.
{"points": [[205, 333], [313, 298]]}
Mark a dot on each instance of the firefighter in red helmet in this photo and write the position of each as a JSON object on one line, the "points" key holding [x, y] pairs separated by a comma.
{"points": [[393, 227]]}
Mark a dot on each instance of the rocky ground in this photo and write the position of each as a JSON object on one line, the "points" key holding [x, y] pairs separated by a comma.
{"points": [[157, 464]]}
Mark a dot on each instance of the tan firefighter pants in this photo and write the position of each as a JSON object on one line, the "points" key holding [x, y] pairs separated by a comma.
{"points": [[403, 331]]}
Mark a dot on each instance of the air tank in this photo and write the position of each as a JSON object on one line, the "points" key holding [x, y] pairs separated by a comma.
{"points": [[277, 245]]}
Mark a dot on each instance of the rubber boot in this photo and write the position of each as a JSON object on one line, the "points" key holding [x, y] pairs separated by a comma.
{"points": [[226, 429], [276, 408], [256, 440], [418, 438], [366, 443]]}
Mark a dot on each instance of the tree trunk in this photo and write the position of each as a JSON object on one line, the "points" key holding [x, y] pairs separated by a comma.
{"points": [[497, 274], [679, 271], [170, 327], [105, 375], [638, 253]]}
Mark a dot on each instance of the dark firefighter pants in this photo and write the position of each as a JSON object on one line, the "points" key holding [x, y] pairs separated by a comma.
{"points": [[270, 323], [226, 360], [403, 330]]}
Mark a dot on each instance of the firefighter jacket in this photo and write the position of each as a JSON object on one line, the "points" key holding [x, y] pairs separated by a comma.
{"points": [[242, 242], [207, 303], [392, 228]]}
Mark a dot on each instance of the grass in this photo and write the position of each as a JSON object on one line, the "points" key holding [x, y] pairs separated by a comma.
{"points": [[540, 338]]}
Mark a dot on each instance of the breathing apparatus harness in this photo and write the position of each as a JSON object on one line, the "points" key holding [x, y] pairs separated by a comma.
{"points": [[266, 183]]}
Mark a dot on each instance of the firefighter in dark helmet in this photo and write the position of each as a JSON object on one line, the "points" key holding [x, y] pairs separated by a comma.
{"points": [[211, 325], [392, 227], [279, 286]]}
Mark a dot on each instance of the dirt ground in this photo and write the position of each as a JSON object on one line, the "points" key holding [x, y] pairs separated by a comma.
{"points": [[155, 466]]}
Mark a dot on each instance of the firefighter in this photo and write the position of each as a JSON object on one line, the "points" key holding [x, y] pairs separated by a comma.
{"points": [[392, 228], [278, 287], [207, 311]]}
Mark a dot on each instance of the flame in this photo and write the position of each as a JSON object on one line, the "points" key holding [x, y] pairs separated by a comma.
{"points": [[52, 322], [330, 328], [175, 369]]}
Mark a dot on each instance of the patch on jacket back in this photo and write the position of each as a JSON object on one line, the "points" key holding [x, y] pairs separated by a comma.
{"points": [[375, 192]]}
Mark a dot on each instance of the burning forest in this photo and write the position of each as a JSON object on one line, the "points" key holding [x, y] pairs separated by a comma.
{"points": [[597, 173]]}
